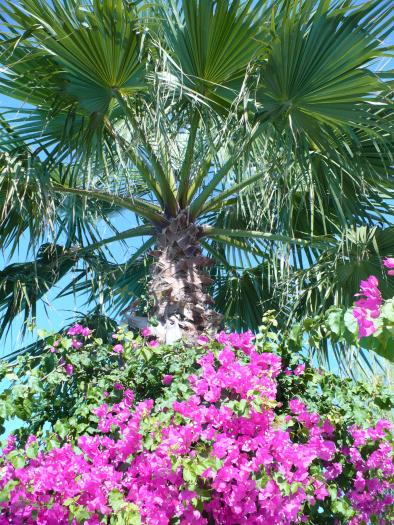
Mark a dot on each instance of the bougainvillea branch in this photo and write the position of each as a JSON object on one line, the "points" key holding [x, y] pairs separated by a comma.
{"points": [[368, 308]]}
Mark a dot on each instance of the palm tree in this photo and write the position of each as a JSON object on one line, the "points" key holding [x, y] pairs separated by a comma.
{"points": [[243, 137]]}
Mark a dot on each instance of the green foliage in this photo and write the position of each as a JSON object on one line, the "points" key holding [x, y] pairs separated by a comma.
{"points": [[57, 404], [335, 276], [41, 393], [339, 327], [49, 401]]}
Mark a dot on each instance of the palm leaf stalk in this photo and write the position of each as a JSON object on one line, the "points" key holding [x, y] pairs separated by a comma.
{"points": [[243, 137]]}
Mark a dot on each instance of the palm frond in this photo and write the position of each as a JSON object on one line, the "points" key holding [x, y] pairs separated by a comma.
{"points": [[22, 285], [333, 277], [318, 71], [210, 44]]}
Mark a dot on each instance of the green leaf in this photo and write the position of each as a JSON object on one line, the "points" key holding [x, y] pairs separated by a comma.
{"points": [[335, 321], [61, 429], [116, 500], [316, 70], [81, 514], [343, 507], [17, 459], [387, 310], [189, 474], [32, 450], [212, 42], [7, 489], [350, 321]]}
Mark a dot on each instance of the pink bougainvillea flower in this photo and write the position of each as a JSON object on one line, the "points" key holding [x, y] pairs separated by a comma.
{"points": [[118, 349], [368, 307], [154, 343], [299, 370], [168, 379], [242, 442], [86, 332], [202, 340], [222, 337], [69, 369], [296, 406], [75, 330], [366, 327], [76, 344], [31, 439], [389, 263], [78, 329], [146, 332], [10, 446]]}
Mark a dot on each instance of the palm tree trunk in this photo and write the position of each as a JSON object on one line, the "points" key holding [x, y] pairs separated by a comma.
{"points": [[179, 281]]}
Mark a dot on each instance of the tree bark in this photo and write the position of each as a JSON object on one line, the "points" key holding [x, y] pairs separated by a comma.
{"points": [[179, 280]]}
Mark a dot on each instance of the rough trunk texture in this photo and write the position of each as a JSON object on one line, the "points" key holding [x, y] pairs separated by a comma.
{"points": [[179, 281]]}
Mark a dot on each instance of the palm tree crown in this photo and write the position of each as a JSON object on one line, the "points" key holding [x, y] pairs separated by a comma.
{"points": [[248, 137]]}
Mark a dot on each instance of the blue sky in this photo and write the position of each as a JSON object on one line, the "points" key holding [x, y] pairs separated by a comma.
{"points": [[54, 313]]}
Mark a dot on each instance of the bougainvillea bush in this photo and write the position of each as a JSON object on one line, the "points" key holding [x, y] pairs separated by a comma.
{"points": [[251, 437], [232, 429]]}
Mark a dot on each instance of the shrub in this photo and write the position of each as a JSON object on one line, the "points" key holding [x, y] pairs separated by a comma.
{"points": [[240, 432]]}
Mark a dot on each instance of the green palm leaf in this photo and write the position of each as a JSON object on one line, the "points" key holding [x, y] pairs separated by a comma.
{"points": [[211, 43], [22, 285], [94, 51], [317, 72]]}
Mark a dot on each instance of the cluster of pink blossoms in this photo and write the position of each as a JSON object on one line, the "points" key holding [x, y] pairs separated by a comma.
{"points": [[255, 467], [367, 308], [146, 333], [389, 263], [78, 329]]}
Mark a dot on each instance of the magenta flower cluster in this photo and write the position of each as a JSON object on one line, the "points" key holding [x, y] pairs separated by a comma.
{"points": [[78, 329], [222, 455], [389, 264], [367, 309]]}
